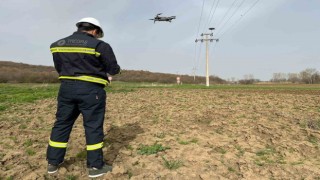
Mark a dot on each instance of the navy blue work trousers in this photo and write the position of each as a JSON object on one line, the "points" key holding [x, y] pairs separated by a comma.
{"points": [[77, 97]]}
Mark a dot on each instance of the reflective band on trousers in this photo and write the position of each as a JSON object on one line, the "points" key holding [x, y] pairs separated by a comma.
{"points": [[94, 146], [86, 78], [75, 50], [58, 144]]}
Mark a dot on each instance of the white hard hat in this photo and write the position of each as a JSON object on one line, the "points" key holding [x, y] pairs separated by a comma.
{"points": [[93, 21]]}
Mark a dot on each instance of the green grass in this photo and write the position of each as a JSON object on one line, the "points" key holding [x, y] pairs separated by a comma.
{"points": [[160, 135], [129, 147], [152, 149], [28, 143], [240, 151], [172, 164], [82, 154], [313, 139], [130, 174], [183, 142], [269, 155], [194, 140], [17, 94], [30, 92], [22, 126], [9, 178], [30, 152], [267, 151], [231, 169], [71, 177], [220, 150], [11, 94], [125, 87], [2, 155]]}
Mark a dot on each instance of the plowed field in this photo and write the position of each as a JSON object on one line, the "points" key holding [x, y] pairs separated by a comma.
{"points": [[194, 134]]}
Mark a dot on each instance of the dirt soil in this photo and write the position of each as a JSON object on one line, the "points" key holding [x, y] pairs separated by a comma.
{"points": [[210, 134]]}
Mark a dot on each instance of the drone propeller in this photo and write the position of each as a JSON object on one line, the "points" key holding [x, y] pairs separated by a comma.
{"points": [[154, 20]]}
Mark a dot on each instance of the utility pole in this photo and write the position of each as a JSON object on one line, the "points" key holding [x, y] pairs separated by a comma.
{"points": [[206, 39], [194, 73]]}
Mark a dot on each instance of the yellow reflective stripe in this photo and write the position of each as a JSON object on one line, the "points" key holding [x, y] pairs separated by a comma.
{"points": [[86, 78], [75, 50], [58, 144], [94, 146]]}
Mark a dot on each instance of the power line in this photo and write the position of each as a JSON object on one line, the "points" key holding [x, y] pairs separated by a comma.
{"points": [[214, 12], [234, 12], [212, 6], [195, 47], [226, 13], [198, 62], [236, 22], [200, 17]]}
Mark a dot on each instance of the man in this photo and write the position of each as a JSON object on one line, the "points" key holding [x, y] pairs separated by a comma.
{"points": [[82, 62]]}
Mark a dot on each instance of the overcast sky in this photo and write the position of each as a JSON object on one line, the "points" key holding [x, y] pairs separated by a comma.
{"points": [[259, 39]]}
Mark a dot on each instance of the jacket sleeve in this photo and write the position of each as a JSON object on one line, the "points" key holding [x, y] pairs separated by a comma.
{"points": [[108, 58]]}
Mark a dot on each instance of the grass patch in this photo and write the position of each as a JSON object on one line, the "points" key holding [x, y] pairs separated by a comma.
{"points": [[194, 140], [71, 177], [3, 107], [2, 155], [11, 94], [230, 169], [172, 164], [313, 139], [219, 130], [129, 147], [130, 174], [296, 163], [30, 152], [153, 149], [82, 154], [269, 155], [14, 138], [240, 151], [313, 124], [259, 163], [28, 143], [23, 126], [220, 150], [183, 142], [267, 151], [160, 135]]}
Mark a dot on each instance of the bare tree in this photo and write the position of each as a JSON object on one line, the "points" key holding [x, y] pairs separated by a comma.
{"points": [[308, 75], [293, 77], [279, 77]]}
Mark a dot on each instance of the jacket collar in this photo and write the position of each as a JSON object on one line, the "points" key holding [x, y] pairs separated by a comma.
{"points": [[84, 33]]}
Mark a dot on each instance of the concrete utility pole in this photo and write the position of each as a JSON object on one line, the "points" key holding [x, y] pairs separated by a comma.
{"points": [[207, 51], [194, 73]]}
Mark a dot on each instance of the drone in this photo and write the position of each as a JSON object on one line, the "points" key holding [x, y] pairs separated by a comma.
{"points": [[159, 18]]}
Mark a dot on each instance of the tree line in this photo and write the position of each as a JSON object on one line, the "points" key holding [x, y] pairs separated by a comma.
{"points": [[12, 72], [307, 76]]}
